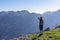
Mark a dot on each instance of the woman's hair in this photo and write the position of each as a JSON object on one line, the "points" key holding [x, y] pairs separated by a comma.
{"points": [[41, 17]]}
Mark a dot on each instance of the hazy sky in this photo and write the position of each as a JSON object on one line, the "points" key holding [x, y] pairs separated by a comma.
{"points": [[38, 6]]}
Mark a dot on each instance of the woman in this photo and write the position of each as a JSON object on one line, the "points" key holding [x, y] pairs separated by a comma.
{"points": [[40, 23]]}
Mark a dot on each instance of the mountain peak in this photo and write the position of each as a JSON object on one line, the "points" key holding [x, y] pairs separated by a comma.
{"points": [[58, 10], [24, 11]]}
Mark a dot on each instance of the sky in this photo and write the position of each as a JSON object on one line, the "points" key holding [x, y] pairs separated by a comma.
{"points": [[37, 6]]}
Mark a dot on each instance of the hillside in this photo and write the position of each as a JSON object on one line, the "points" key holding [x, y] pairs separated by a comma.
{"points": [[47, 35]]}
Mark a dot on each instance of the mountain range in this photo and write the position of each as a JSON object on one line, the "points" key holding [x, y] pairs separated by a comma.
{"points": [[14, 23]]}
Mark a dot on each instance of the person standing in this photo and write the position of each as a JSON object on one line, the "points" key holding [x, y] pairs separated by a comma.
{"points": [[41, 24]]}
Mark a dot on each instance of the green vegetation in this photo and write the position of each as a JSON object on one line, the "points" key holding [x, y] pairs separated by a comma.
{"points": [[47, 35]]}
